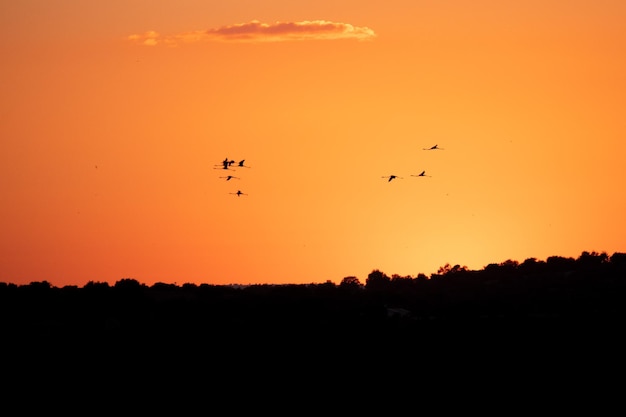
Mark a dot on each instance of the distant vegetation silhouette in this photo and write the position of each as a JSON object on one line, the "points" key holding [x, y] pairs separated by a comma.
{"points": [[588, 289], [505, 323]]}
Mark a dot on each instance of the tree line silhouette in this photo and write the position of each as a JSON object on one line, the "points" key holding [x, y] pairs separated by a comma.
{"points": [[588, 289], [556, 322]]}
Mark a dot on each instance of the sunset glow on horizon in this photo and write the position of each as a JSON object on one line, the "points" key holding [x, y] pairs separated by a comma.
{"points": [[117, 118]]}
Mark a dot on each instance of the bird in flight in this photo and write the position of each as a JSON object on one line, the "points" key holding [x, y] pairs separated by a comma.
{"points": [[241, 164], [225, 167], [433, 148], [226, 163], [238, 193], [391, 177], [230, 177], [421, 174]]}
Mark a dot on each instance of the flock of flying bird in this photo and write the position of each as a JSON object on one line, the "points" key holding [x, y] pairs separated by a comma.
{"points": [[226, 165], [421, 174]]}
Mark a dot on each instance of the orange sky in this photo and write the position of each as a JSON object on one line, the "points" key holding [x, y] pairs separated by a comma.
{"points": [[116, 117]]}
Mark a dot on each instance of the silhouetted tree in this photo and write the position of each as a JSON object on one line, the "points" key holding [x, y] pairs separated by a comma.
{"points": [[128, 284], [591, 260], [91, 285], [560, 264], [508, 268], [444, 269], [189, 286], [350, 282], [509, 265], [618, 260], [164, 287], [530, 266], [377, 280], [421, 277], [40, 285]]}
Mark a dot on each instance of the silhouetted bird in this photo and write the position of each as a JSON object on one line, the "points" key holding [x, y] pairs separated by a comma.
{"points": [[226, 163], [433, 148], [224, 167], [230, 177], [240, 164], [421, 174], [391, 177], [238, 193]]}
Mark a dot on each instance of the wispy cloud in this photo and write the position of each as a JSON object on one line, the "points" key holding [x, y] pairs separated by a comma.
{"points": [[256, 31]]}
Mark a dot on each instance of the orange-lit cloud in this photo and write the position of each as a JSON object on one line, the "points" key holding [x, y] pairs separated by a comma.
{"points": [[256, 31]]}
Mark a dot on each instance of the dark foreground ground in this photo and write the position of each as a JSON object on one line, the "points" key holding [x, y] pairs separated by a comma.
{"points": [[502, 333]]}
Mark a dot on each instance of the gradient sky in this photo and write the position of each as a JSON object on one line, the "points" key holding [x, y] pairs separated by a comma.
{"points": [[116, 116]]}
